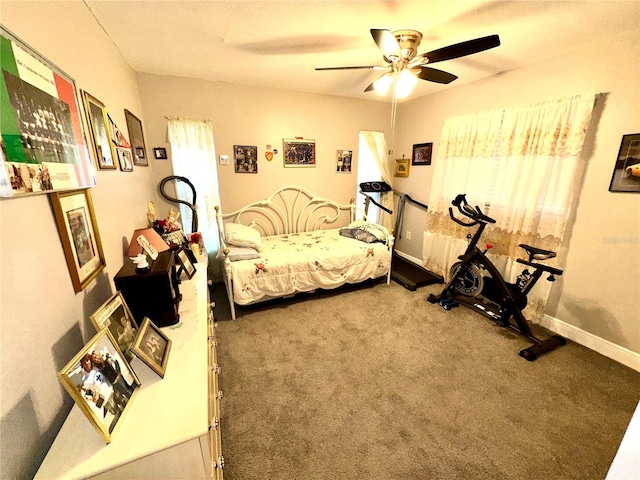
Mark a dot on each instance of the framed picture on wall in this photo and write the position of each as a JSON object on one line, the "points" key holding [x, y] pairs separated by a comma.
{"points": [[299, 153], [402, 168], [101, 382], [245, 158], [42, 134], [626, 173], [125, 159], [99, 128], [160, 153], [421, 154], [79, 235], [136, 138], [343, 164]]}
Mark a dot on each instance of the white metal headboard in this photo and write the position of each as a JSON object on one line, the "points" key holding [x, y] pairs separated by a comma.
{"points": [[289, 210]]}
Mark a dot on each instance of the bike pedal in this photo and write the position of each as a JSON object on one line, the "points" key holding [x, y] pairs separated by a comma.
{"points": [[448, 303]]}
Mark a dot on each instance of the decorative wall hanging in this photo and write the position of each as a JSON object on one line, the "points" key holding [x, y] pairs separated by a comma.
{"points": [[421, 154], [626, 174], [299, 152], [99, 128], [79, 235], [343, 164], [136, 137], [43, 143], [160, 153], [245, 158], [115, 315], [101, 382], [402, 168]]}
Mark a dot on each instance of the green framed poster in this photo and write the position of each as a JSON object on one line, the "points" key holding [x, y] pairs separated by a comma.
{"points": [[43, 146]]}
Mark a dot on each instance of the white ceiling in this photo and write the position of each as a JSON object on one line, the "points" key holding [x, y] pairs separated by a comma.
{"points": [[279, 43]]}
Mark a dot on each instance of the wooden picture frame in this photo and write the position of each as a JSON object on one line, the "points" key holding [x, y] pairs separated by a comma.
{"points": [[186, 265], [344, 159], [115, 315], [299, 153], [160, 153], [422, 154], [92, 380], [125, 159], [152, 346], [78, 229], [245, 158], [136, 138], [402, 168], [44, 147], [626, 173], [100, 132]]}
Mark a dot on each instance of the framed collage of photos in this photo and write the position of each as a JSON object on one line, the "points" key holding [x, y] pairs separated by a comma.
{"points": [[152, 346], [78, 229], [245, 158], [101, 382], [115, 315], [41, 131]]}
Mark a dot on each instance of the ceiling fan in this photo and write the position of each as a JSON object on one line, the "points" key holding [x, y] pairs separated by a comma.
{"points": [[400, 50]]}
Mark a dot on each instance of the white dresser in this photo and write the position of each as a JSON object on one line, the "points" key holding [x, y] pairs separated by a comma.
{"points": [[171, 429]]}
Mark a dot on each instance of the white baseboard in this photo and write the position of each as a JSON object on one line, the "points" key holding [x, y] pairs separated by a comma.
{"points": [[620, 354]]}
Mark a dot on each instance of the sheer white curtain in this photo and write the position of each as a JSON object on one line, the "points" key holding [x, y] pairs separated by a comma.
{"points": [[193, 156], [373, 150], [521, 166]]}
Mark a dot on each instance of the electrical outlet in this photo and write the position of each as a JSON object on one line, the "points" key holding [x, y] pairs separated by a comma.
{"points": [[408, 235]]}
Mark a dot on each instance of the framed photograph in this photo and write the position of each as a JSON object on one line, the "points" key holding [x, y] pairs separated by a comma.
{"points": [[186, 265], [115, 315], [79, 235], [402, 168], [299, 153], [125, 159], [245, 158], [626, 174], [101, 382], [160, 153], [136, 138], [421, 154], [44, 148], [99, 128], [343, 164], [152, 346]]}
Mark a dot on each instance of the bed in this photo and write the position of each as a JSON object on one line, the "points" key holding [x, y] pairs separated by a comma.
{"points": [[295, 242]]}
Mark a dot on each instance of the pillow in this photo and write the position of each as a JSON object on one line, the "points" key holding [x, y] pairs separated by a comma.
{"points": [[358, 234], [242, 236], [372, 228], [239, 253]]}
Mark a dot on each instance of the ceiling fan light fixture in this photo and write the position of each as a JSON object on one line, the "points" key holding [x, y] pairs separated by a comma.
{"points": [[382, 84], [407, 80]]}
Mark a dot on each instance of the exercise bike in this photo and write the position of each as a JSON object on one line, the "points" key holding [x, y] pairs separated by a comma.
{"points": [[477, 284]]}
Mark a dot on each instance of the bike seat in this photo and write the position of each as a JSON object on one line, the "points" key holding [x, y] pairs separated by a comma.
{"points": [[537, 253]]}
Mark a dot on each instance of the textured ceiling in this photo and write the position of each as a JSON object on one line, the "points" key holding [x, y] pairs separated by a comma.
{"points": [[279, 43]]}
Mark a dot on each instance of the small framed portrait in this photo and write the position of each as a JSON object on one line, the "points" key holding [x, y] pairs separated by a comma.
{"points": [[160, 153], [185, 264], [402, 168], [125, 159], [245, 158], [115, 315], [421, 154], [152, 346], [299, 153], [78, 229], [101, 382], [626, 173], [343, 164]]}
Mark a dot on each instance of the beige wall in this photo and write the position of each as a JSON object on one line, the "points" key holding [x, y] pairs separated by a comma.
{"points": [[42, 322], [600, 289]]}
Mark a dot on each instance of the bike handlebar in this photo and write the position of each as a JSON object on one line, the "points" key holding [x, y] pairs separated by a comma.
{"points": [[474, 213]]}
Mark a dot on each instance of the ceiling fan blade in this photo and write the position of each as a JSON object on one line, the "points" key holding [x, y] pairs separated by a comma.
{"points": [[435, 75], [364, 67], [462, 49], [386, 42]]}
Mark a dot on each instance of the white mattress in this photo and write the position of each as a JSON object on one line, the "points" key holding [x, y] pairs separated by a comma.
{"points": [[305, 261]]}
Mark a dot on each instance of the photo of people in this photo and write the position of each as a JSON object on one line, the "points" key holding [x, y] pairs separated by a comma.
{"points": [[152, 346], [101, 381], [82, 240], [299, 153], [344, 161], [246, 158], [116, 316]]}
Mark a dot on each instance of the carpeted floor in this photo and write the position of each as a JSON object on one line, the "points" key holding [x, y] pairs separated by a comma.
{"points": [[377, 383]]}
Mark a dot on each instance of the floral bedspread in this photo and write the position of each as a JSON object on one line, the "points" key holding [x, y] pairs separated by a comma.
{"points": [[305, 261]]}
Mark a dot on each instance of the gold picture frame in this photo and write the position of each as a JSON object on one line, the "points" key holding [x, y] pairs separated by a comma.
{"points": [[402, 168], [152, 346], [79, 235], [115, 315], [101, 383], [100, 132]]}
